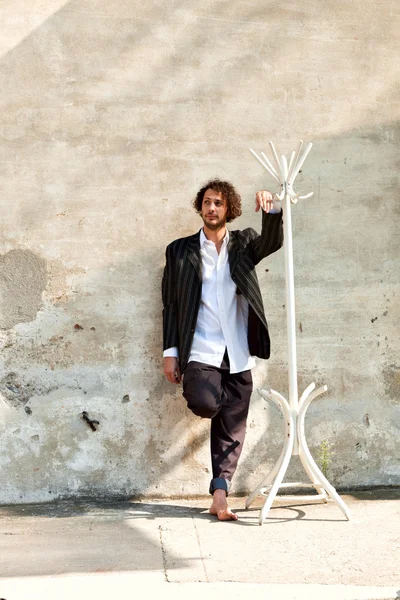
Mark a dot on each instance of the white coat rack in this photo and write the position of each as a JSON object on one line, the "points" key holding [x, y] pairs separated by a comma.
{"points": [[285, 172]]}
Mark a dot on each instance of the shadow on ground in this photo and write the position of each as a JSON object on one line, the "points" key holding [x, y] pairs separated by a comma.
{"points": [[70, 537]]}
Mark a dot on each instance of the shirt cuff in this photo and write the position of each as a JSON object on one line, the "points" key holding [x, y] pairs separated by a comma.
{"points": [[277, 207], [171, 352]]}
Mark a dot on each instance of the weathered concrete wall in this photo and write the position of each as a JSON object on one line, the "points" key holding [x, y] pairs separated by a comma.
{"points": [[112, 115]]}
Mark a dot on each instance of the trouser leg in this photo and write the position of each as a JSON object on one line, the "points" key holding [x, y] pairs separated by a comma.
{"points": [[224, 398], [228, 427]]}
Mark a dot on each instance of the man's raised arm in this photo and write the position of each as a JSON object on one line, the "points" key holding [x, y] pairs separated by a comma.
{"points": [[271, 238]]}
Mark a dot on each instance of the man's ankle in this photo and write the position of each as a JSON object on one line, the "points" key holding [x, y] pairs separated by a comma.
{"points": [[219, 494]]}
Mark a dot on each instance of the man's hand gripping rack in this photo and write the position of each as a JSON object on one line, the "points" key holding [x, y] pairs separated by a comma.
{"points": [[294, 411]]}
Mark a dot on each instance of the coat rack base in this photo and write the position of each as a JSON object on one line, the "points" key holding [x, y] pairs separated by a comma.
{"points": [[295, 445]]}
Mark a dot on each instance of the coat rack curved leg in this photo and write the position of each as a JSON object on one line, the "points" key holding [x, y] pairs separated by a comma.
{"points": [[317, 474], [267, 395], [281, 473]]}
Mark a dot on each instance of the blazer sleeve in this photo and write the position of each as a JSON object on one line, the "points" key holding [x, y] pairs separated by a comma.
{"points": [[271, 238], [170, 324]]}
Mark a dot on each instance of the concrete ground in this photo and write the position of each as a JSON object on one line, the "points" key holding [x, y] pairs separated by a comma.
{"points": [[175, 548]]}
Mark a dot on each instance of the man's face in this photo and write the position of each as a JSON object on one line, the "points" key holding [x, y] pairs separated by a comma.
{"points": [[213, 210]]}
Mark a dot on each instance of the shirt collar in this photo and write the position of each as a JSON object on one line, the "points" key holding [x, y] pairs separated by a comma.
{"points": [[203, 238]]}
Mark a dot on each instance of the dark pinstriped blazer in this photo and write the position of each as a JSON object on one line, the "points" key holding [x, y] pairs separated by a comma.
{"points": [[182, 282]]}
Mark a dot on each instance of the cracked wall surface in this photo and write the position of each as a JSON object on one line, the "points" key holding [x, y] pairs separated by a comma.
{"points": [[112, 116], [23, 279]]}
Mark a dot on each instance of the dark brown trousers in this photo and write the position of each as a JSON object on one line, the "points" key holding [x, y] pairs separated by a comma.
{"points": [[214, 393]]}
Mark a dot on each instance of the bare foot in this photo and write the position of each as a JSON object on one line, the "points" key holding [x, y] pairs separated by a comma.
{"points": [[219, 507]]}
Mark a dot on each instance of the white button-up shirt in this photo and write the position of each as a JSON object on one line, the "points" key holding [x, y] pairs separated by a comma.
{"points": [[223, 314]]}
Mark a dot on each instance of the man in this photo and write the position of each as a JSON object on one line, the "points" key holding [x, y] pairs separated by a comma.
{"points": [[214, 322]]}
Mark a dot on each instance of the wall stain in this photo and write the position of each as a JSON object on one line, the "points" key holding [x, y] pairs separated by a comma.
{"points": [[391, 377]]}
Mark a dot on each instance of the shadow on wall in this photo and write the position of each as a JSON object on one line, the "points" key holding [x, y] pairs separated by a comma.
{"points": [[105, 116]]}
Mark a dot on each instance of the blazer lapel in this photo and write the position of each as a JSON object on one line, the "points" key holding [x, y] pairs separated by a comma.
{"points": [[193, 250], [233, 252]]}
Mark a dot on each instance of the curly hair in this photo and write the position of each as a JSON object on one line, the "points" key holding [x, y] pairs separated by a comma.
{"points": [[229, 194]]}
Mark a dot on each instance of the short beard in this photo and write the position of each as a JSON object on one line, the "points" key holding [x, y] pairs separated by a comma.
{"points": [[214, 226]]}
